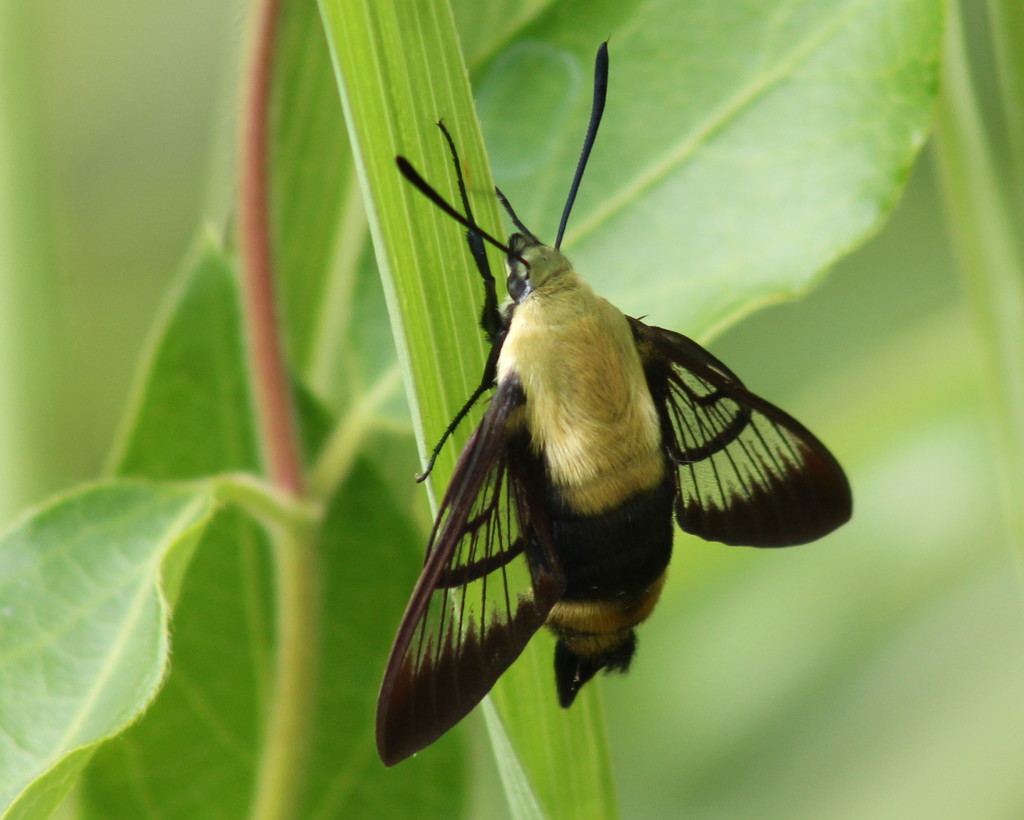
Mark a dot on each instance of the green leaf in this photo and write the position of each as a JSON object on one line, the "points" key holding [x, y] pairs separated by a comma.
{"points": [[201, 737], [485, 28], [83, 637], [190, 415], [195, 752], [364, 547], [206, 733], [743, 149]]}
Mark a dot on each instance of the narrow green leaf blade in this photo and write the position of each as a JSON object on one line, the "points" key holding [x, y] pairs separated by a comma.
{"points": [[399, 71]]}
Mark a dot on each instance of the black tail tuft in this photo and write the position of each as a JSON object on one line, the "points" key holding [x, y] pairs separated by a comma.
{"points": [[572, 670]]}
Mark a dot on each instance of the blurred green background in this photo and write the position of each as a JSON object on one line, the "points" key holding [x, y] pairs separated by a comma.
{"points": [[118, 115], [901, 696]]}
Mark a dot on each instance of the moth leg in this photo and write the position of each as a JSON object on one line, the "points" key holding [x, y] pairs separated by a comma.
{"points": [[486, 383]]}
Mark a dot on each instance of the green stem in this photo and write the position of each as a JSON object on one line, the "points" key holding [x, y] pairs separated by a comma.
{"points": [[989, 257], [293, 527], [280, 776], [289, 729], [272, 390], [264, 502], [1008, 36]]}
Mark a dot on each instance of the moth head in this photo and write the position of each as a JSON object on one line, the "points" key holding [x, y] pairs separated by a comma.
{"points": [[531, 265]]}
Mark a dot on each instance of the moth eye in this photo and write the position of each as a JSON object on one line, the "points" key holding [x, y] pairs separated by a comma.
{"points": [[518, 286]]}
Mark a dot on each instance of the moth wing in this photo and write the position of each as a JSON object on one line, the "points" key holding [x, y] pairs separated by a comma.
{"points": [[747, 472], [490, 578]]}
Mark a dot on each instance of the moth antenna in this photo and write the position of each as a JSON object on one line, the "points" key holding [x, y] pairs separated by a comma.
{"points": [[425, 188], [596, 111], [515, 219]]}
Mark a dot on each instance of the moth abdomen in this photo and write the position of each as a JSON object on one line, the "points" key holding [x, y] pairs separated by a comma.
{"points": [[613, 563], [617, 552], [597, 634]]}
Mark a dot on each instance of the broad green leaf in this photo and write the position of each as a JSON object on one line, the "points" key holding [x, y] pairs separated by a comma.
{"points": [[190, 415], [364, 547], [83, 638], [195, 751], [399, 71], [744, 147], [485, 28], [205, 734]]}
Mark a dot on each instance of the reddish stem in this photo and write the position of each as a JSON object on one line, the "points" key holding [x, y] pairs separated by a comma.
{"points": [[272, 389]]}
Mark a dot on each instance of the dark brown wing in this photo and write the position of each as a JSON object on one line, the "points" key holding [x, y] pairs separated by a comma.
{"points": [[748, 473], [489, 581]]}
